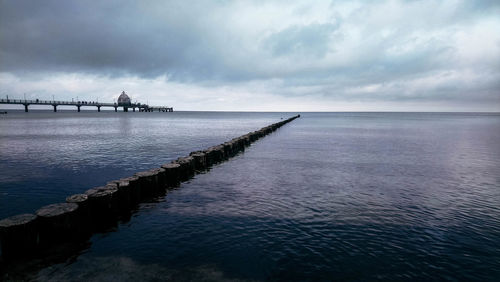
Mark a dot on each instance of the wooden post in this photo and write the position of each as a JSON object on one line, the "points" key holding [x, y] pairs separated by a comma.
{"points": [[18, 235], [103, 202], [83, 213], [171, 174], [58, 222], [123, 195], [200, 160]]}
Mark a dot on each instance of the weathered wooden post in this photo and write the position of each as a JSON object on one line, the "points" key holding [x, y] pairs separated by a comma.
{"points": [[172, 173], [103, 203], [162, 179], [200, 162], [18, 235], [228, 150], [83, 213], [123, 195], [218, 153], [57, 223], [145, 181], [187, 168], [213, 155], [135, 189]]}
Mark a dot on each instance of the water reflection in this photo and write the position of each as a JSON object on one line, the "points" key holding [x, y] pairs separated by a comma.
{"points": [[127, 269], [329, 197], [47, 156]]}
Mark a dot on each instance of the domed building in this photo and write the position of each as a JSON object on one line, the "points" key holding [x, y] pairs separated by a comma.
{"points": [[124, 100]]}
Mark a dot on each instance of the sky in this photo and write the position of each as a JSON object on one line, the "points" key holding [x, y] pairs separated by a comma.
{"points": [[257, 55]]}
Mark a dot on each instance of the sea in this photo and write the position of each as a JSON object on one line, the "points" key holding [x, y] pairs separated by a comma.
{"points": [[340, 196]]}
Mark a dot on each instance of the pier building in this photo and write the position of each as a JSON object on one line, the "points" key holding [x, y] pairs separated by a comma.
{"points": [[123, 101]]}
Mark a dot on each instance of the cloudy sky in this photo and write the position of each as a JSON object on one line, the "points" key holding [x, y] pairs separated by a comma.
{"points": [[256, 55]]}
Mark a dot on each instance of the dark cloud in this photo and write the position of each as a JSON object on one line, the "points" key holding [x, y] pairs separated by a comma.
{"points": [[112, 37]]}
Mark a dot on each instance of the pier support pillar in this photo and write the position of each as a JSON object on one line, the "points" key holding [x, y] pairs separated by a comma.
{"points": [[133, 109], [125, 109], [26, 107], [98, 108], [116, 109], [55, 108], [78, 108]]}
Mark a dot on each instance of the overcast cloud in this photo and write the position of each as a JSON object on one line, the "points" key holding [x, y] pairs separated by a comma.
{"points": [[256, 55]]}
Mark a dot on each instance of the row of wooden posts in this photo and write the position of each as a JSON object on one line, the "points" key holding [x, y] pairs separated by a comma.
{"points": [[97, 208]]}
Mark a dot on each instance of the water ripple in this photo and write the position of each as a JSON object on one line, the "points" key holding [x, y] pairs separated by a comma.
{"points": [[347, 196]]}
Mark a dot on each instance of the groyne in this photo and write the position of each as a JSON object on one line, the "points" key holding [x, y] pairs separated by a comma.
{"points": [[101, 207]]}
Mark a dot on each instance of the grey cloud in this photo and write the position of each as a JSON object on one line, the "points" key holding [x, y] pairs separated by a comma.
{"points": [[304, 41], [112, 37], [198, 43]]}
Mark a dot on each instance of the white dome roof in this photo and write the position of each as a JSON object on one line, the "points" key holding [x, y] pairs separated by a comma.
{"points": [[124, 98]]}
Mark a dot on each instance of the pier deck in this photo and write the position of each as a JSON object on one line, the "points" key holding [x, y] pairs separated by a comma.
{"points": [[78, 104]]}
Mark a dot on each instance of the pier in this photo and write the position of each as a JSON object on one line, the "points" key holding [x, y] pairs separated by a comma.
{"points": [[29, 235], [123, 102]]}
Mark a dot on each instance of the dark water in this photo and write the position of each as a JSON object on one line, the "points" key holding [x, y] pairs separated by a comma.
{"points": [[47, 156], [333, 196]]}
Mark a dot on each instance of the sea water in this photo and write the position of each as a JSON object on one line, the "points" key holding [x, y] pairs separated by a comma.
{"points": [[329, 196]]}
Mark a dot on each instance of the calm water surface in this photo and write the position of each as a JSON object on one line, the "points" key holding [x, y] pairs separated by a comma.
{"points": [[47, 156], [330, 196]]}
